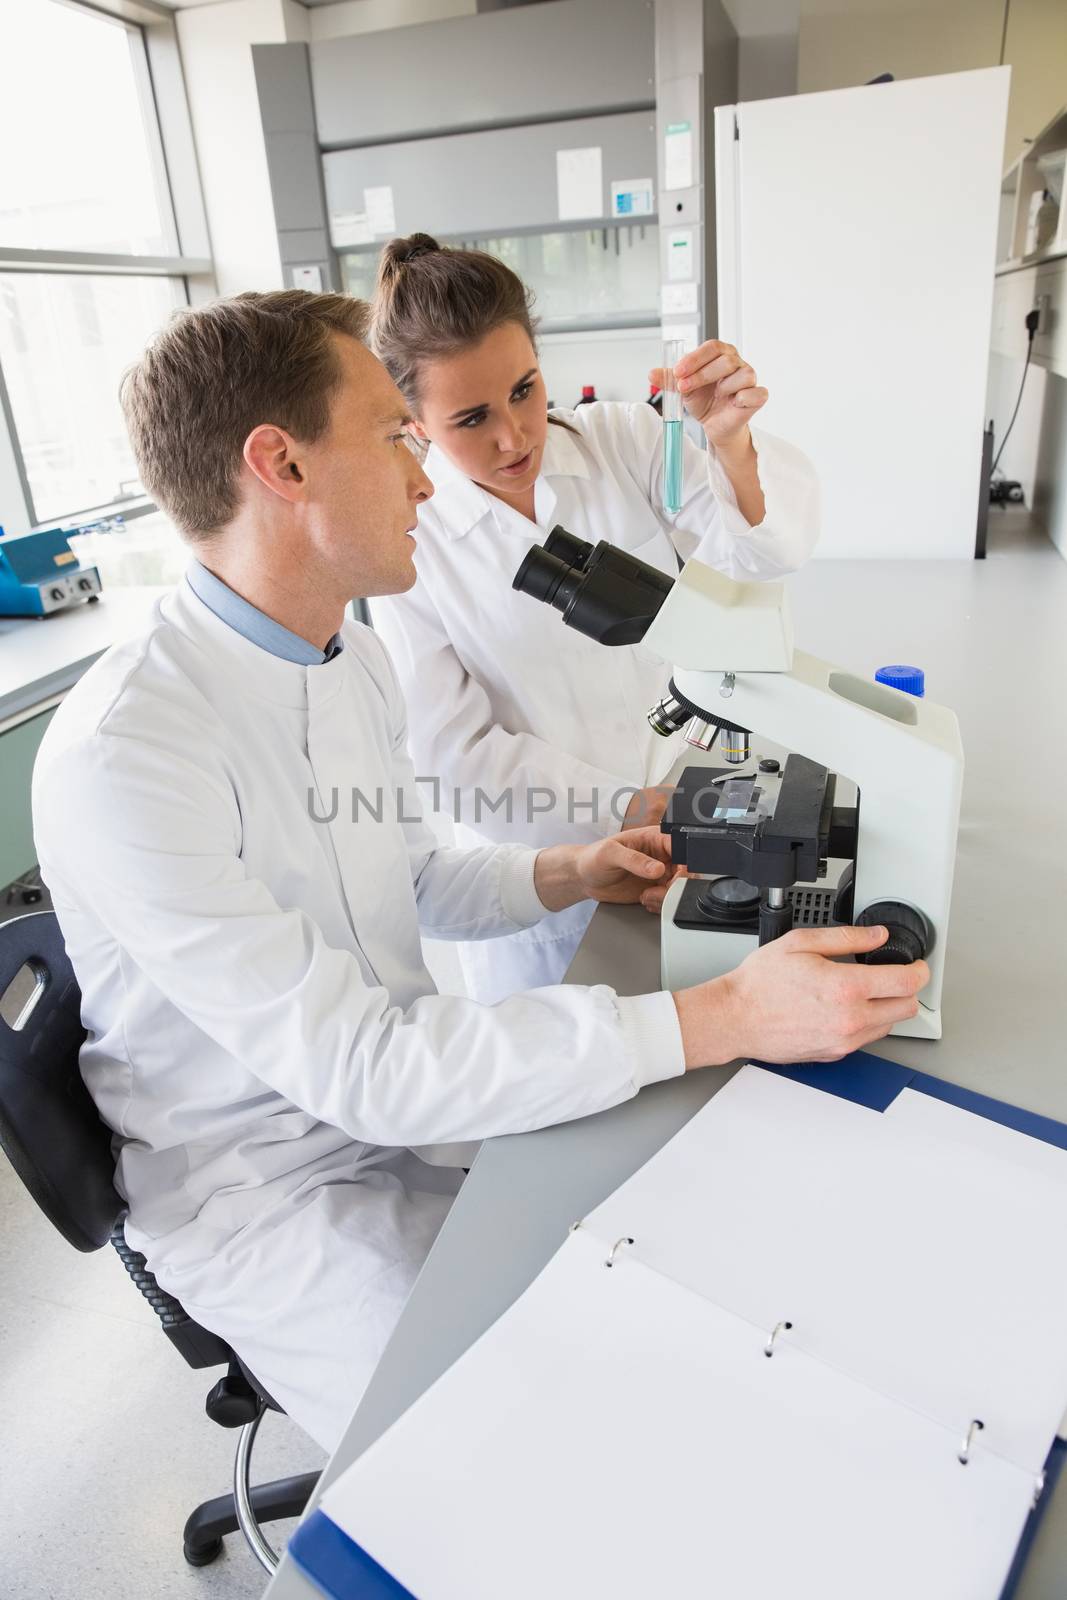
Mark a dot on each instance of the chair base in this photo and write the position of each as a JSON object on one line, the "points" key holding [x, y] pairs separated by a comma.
{"points": [[203, 1533]]}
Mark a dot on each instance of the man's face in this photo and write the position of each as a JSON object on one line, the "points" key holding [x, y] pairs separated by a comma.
{"points": [[365, 484]]}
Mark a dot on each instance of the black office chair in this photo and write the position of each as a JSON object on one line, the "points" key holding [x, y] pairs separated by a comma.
{"points": [[57, 1144]]}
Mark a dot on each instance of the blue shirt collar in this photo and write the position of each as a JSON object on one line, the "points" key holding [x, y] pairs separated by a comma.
{"points": [[253, 624]]}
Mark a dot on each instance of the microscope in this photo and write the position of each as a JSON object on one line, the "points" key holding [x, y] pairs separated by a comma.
{"points": [[857, 824]]}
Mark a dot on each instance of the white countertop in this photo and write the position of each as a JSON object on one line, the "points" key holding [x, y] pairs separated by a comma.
{"points": [[41, 657]]}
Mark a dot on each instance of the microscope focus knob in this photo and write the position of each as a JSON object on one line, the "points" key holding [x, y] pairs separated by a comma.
{"points": [[911, 936]]}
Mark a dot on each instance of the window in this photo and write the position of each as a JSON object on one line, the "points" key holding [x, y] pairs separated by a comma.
{"points": [[90, 264], [581, 278], [65, 341], [83, 168]]}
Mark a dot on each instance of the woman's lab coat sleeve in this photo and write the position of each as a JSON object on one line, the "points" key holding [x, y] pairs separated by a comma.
{"points": [[152, 840], [487, 777], [463, 894], [709, 526]]}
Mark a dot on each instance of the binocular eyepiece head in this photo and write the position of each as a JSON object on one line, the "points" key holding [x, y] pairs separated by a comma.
{"points": [[599, 589]]}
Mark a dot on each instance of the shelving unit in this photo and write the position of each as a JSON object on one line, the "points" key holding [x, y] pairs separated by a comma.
{"points": [[1041, 166]]}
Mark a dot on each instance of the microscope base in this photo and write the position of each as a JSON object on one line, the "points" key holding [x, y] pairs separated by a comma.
{"points": [[692, 955]]}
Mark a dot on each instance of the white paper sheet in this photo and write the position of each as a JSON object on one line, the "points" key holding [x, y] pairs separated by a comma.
{"points": [[678, 156], [349, 228], [580, 183], [380, 210], [912, 1110], [681, 256], [615, 1434], [678, 299], [922, 1267]]}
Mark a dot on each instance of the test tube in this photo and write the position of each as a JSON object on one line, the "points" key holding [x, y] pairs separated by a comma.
{"points": [[672, 427]]}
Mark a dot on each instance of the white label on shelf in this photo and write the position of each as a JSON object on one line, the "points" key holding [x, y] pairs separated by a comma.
{"points": [[580, 183], [678, 156], [381, 213], [681, 257], [308, 278], [632, 197], [679, 299], [349, 228]]}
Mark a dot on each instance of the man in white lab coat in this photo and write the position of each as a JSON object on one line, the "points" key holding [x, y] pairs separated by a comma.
{"points": [[225, 814]]}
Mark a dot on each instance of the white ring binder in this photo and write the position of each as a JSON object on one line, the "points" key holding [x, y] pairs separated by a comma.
{"points": [[965, 1448], [768, 1348], [610, 1262]]}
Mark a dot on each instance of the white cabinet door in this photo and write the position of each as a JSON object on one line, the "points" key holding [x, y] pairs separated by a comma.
{"points": [[856, 241]]}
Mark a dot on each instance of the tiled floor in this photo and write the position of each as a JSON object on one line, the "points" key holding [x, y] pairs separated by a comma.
{"points": [[106, 1448]]}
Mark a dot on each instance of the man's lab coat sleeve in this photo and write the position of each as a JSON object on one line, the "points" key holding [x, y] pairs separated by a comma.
{"points": [[709, 526], [149, 839], [489, 777]]}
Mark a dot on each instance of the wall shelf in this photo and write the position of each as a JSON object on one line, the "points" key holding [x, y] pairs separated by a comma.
{"points": [[1038, 169]]}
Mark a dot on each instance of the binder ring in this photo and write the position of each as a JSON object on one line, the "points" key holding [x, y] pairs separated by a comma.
{"points": [[965, 1448], [768, 1348], [610, 1262]]}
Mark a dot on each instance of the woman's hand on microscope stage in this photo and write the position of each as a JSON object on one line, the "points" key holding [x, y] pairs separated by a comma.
{"points": [[647, 806], [645, 809], [617, 870], [720, 392], [792, 1000]]}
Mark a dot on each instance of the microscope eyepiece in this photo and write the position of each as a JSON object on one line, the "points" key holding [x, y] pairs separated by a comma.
{"points": [[547, 577], [568, 547], [601, 591]]}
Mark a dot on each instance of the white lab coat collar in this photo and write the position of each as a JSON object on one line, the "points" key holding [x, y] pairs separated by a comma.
{"points": [[267, 676], [462, 503]]}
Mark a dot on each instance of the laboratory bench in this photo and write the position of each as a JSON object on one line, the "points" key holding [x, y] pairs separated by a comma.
{"points": [[991, 638], [40, 659]]}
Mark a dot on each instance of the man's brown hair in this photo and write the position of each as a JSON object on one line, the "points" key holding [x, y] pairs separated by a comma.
{"points": [[215, 373]]}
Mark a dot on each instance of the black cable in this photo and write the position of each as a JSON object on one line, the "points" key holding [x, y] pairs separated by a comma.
{"points": [[1031, 329]]}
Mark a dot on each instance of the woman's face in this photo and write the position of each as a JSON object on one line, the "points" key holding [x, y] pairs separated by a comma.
{"points": [[487, 409]]}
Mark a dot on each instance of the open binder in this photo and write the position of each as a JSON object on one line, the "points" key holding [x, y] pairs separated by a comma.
{"points": [[815, 1345]]}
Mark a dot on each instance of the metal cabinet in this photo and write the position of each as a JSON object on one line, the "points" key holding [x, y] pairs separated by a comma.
{"points": [[18, 751], [496, 182], [539, 63]]}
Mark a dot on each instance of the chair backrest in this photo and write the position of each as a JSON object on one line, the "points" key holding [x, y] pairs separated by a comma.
{"points": [[50, 1129]]}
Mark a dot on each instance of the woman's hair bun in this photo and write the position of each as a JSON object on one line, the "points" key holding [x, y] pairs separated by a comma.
{"points": [[398, 252]]}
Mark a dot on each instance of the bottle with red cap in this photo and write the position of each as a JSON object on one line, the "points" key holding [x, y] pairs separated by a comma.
{"points": [[588, 394]]}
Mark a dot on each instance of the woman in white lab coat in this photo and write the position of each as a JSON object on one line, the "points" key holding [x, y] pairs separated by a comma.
{"points": [[525, 729]]}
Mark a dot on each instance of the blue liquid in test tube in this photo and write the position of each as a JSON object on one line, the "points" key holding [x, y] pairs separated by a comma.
{"points": [[672, 428]]}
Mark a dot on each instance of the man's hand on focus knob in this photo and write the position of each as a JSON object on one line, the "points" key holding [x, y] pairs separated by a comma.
{"points": [[792, 1001]]}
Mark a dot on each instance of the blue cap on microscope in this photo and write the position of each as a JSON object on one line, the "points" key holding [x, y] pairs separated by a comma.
{"points": [[911, 679]]}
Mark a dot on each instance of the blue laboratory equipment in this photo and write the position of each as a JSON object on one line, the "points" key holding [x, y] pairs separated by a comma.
{"points": [[39, 574], [673, 439]]}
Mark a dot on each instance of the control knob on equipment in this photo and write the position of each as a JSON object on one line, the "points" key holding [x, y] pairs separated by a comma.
{"points": [[84, 583], [910, 935], [57, 594]]}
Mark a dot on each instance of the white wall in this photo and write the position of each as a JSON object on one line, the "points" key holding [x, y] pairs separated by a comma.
{"points": [[617, 364], [216, 48], [767, 67]]}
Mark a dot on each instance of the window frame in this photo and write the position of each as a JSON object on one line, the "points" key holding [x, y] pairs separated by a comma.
{"points": [[157, 71]]}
